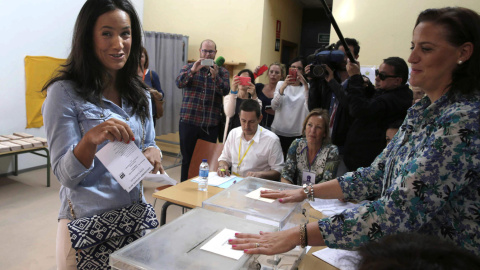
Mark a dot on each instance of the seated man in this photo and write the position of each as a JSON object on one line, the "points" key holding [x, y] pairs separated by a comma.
{"points": [[250, 149]]}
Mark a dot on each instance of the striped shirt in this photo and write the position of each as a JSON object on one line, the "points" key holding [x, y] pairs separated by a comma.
{"points": [[202, 96]]}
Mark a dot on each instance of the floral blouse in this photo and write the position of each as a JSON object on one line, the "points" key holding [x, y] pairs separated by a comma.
{"points": [[426, 180], [325, 165]]}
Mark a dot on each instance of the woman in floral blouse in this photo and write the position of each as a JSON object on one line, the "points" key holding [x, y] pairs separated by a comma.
{"points": [[312, 159], [427, 180]]}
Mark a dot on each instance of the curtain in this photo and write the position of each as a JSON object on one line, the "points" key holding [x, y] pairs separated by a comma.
{"points": [[167, 54], [38, 70]]}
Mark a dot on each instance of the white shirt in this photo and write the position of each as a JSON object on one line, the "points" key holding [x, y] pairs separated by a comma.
{"points": [[265, 154], [290, 110]]}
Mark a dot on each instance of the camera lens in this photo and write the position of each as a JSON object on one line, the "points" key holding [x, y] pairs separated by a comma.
{"points": [[318, 71]]}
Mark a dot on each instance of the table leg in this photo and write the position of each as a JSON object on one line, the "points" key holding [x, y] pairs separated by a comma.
{"points": [[15, 172], [163, 215]]}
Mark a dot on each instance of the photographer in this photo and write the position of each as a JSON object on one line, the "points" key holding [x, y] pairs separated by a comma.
{"points": [[373, 113], [328, 92], [289, 104]]}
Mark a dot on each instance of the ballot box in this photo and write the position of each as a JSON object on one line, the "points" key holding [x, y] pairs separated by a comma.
{"points": [[190, 242], [241, 200]]}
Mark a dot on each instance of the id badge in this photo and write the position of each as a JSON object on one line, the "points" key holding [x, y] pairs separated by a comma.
{"points": [[308, 177]]}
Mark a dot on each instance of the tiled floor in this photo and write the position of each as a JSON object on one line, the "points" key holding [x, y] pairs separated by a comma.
{"points": [[28, 218]]}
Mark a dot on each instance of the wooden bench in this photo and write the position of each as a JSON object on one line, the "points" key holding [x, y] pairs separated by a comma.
{"points": [[21, 148]]}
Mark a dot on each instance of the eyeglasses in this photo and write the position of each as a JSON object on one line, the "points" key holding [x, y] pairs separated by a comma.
{"points": [[209, 51], [383, 77]]}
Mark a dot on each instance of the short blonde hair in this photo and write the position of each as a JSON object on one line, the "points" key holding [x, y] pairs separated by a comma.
{"points": [[283, 70], [324, 115]]}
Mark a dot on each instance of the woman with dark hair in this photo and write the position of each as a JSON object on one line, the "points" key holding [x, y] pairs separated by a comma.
{"points": [[265, 92], [289, 105], [427, 179], [96, 98], [241, 90], [312, 159], [151, 79]]}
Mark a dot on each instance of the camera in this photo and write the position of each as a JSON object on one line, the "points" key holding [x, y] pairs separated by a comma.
{"points": [[325, 56]]}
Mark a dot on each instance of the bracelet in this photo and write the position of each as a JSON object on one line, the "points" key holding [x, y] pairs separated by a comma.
{"points": [[308, 192], [303, 234], [306, 234], [310, 196]]}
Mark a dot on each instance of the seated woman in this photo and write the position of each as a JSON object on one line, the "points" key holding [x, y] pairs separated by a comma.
{"points": [[313, 157], [151, 79], [275, 73], [232, 101]]}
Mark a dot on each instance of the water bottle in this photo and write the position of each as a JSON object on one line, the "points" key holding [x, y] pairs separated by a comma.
{"points": [[203, 179]]}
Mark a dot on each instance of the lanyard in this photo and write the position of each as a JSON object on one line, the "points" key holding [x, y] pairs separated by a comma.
{"points": [[313, 161], [144, 73], [239, 150]]}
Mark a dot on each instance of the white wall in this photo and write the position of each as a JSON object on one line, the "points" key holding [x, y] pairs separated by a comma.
{"points": [[36, 28]]}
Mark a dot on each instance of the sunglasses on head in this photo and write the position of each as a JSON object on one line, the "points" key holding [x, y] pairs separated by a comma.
{"points": [[383, 77]]}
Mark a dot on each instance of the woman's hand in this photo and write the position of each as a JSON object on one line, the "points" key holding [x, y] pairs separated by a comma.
{"points": [[251, 90], [112, 130], [284, 196], [155, 158], [303, 80], [236, 82], [265, 242], [307, 69]]}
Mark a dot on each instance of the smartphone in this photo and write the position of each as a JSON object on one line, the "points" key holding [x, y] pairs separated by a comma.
{"points": [[268, 107], [207, 62], [293, 74], [245, 80]]}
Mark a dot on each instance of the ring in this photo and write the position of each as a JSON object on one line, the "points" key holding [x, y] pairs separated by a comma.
{"points": [[222, 170], [257, 245]]}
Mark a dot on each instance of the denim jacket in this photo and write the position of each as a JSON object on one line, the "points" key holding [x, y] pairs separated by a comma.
{"points": [[67, 117]]}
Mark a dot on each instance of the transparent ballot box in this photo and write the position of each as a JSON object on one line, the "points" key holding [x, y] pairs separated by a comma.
{"points": [[237, 201], [234, 201], [178, 245]]}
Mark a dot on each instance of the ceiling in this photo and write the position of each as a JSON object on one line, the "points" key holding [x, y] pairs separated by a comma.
{"points": [[315, 3]]}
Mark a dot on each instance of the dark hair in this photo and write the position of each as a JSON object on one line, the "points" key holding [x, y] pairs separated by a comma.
{"points": [[296, 59], [250, 74], [250, 105], [144, 51], [395, 124], [462, 25], [85, 69], [351, 42], [400, 67], [415, 251], [324, 114]]}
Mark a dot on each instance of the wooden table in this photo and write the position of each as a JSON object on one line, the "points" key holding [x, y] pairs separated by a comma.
{"points": [[185, 194], [34, 151]]}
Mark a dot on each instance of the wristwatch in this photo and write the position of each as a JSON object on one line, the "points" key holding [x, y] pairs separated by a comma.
{"points": [[308, 192]]}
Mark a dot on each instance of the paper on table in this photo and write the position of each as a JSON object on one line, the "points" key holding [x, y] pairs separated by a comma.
{"points": [[342, 259], [330, 207], [219, 245], [215, 180], [160, 178], [125, 162], [256, 195]]}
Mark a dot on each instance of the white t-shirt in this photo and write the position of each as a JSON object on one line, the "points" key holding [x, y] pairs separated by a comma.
{"points": [[290, 110], [264, 154]]}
